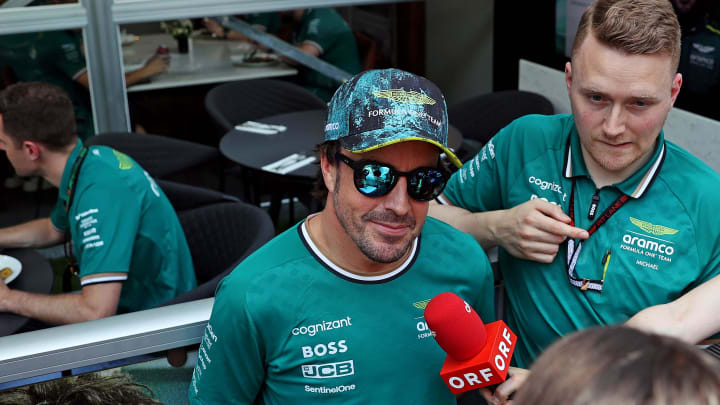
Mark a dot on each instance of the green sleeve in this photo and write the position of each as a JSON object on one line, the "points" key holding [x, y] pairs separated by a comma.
{"points": [[271, 21], [477, 186], [104, 228], [58, 218], [485, 299], [61, 49], [230, 366], [324, 31]]}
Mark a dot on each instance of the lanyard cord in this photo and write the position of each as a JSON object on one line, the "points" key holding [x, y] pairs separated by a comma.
{"points": [[72, 185], [573, 247]]}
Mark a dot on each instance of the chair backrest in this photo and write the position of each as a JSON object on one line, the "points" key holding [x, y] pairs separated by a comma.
{"points": [[481, 117], [233, 103], [160, 156], [184, 197], [220, 235]]}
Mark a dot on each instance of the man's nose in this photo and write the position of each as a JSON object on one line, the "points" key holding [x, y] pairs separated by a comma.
{"points": [[614, 123], [398, 200]]}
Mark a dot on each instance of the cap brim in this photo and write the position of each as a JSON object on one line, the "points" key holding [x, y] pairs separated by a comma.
{"points": [[349, 143]]}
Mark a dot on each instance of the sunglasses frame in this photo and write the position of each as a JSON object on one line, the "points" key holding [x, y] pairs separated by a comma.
{"points": [[358, 165]]}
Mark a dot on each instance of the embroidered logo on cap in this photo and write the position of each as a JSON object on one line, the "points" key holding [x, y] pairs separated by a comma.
{"points": [[405, 97]]}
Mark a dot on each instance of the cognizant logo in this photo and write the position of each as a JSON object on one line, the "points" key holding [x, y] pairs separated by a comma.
{"points": [[648, 244], [312, 330]]}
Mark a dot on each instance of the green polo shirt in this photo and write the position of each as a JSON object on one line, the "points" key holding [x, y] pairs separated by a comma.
{"points": [[289, 326], [54, 57], [122, 223], [325, 29], [663, 241]]}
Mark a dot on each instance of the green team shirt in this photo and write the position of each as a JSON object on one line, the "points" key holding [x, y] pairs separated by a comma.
{"points": [[289, 327], [325, 29], [53, 57], [270, 22], [663, 241], [121, 222]]}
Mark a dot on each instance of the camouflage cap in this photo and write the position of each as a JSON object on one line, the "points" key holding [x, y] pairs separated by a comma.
{"points": [[377, 108]]}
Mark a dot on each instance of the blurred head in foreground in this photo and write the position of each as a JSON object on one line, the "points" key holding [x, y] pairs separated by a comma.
{"points": [[620, 365]]}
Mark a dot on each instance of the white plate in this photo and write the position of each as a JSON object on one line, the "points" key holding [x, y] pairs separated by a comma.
{"points": [[14, 265]]}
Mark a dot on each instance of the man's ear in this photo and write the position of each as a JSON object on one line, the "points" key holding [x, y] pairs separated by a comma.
{"points": [[329, 172], [32, 150]]}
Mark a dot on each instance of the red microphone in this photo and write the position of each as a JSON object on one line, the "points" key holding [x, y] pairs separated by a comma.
{"points": [[478, 355]]}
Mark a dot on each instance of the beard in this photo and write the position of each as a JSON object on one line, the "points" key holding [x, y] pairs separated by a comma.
{"points": [[387, 250]]}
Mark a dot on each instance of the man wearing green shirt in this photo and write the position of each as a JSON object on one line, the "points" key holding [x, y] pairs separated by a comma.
{"points": [[130, 249], [597, 216], [331, 310], [322, 32]]}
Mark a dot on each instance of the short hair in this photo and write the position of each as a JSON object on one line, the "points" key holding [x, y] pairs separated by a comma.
{"points": [[621, 365], [86, 389], [639, 27], [329, 149], [38, 112]]}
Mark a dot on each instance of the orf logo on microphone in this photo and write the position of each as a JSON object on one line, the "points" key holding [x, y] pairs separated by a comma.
{"points": [[488, 367]]}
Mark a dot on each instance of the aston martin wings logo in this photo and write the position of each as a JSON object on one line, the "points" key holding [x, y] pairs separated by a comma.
{"points": [[653, 229], [421, 304], [124, 162], [405, 97]]}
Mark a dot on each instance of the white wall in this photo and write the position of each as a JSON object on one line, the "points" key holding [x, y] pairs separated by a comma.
{"points": [[459, 37]]}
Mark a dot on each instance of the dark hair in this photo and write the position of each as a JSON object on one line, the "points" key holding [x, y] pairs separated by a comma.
{"points": [[328, 149], [638, 27], [38, 112], [86, 389], [621, 365]]}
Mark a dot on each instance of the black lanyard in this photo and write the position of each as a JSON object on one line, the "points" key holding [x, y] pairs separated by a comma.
{"points": [[72, 267], [573, 252]]}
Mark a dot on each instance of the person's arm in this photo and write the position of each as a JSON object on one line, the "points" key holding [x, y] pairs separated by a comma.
{"points": [[34, 234], [533, 230], [154, 66], [691, 317], [93, 302]]}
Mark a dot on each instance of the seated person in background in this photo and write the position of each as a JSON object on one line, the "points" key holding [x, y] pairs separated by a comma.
{"points": [[692, 317], [130, 248], [597, 216], [620, 365], [57, 57], [700, 66], [266, 22], [323, 33], [332, 309]]}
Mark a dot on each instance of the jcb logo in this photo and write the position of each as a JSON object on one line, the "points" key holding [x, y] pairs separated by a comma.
{"points": [[329, 370]]}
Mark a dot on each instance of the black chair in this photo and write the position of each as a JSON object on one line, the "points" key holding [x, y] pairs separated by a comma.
{"points": [[220, 236], [481, 117], [233, 103], [160, 156]]}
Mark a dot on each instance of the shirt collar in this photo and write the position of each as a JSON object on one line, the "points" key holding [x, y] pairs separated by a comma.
{"points": [[636, 185], [63, 190]]}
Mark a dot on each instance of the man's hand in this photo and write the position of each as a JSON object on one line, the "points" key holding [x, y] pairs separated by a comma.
{"points": [[534, 230], [214, 28], [506, 389], [156, 65]]}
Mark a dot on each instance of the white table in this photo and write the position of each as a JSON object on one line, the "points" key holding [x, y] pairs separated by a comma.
{"points": [[208, 61]]}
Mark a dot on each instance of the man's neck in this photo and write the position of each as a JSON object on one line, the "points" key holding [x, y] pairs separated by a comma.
{"points": [[54, 163], [329, 236], [603, 177]]}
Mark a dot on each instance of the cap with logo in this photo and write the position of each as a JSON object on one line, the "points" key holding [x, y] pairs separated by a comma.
{"points": [[377, 108]]}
